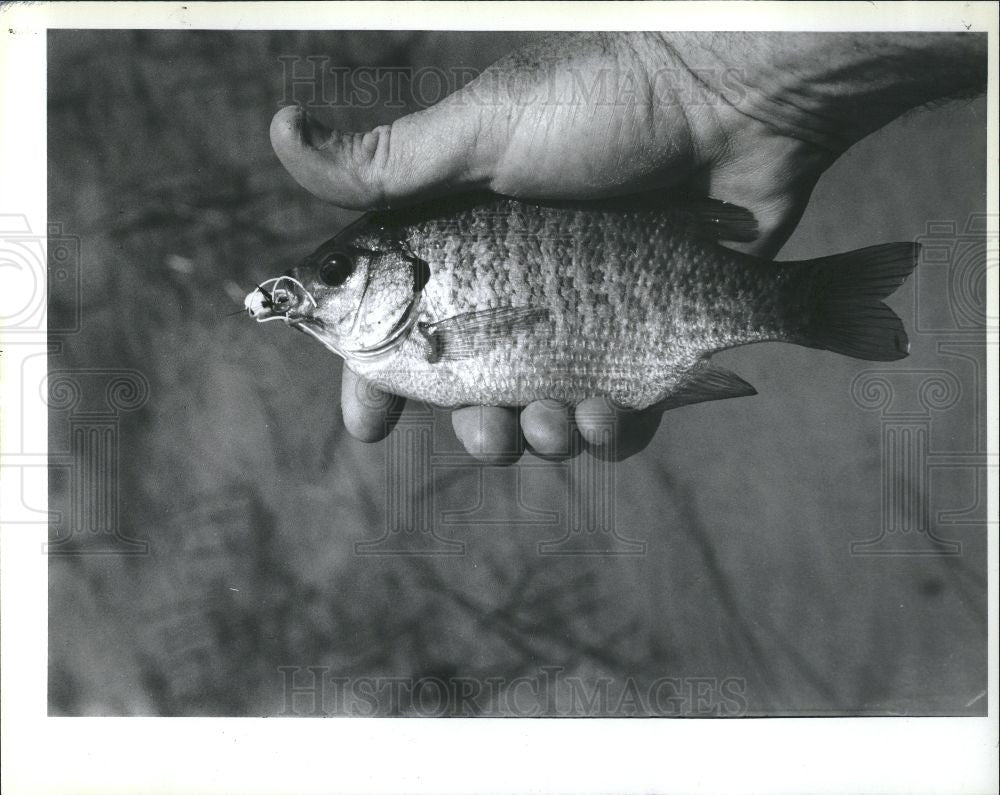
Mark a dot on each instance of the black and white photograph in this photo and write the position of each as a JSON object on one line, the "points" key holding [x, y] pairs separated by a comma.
{"points": [[415, 372]]}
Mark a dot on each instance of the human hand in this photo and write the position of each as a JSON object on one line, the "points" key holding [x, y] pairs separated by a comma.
{"points": [[753, 119]]}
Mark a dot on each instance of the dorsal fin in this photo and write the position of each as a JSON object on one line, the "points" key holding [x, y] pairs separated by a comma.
{"points": [[716, 219], [724, 221]]}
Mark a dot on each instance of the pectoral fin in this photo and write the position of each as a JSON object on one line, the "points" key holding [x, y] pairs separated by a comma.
{"points": [[704, 383], [461, 336]]}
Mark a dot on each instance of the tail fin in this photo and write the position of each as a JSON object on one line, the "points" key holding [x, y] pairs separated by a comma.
{"points": [[844, 296]]}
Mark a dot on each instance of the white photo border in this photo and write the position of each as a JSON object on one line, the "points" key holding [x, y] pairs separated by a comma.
{"points": [[247, 755]]}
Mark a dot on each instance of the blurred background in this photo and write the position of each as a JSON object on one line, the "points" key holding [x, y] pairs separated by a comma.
{"points": [[764, 567]]}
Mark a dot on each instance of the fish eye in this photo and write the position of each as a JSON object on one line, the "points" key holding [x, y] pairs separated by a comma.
{"points": [[336, 269]]}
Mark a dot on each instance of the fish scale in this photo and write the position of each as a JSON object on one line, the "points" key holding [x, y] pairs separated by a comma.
{"points": [[491, 300], [642, 353]]}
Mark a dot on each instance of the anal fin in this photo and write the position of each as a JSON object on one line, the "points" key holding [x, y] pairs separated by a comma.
{"points": [[707, 382]]}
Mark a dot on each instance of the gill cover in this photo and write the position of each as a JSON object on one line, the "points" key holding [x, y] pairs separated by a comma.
{"points": [[388, 301]]}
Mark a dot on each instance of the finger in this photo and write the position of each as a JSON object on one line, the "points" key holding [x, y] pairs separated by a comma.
{"points": [[433, 151], [549, 429], [614, 434], [369, 412], [489, 433]]}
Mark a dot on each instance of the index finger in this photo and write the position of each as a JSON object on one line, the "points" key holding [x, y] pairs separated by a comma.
{"points": [[370, 413]]}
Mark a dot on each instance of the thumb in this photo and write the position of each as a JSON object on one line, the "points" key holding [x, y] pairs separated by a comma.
{"points": [[433, 151]]}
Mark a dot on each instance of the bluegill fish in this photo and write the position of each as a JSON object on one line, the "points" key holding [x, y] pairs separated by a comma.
{"points": [[490, 300]]}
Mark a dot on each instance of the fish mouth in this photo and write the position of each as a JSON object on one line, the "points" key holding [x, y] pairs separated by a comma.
{"points": [[282, 298], [286, 298]]}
